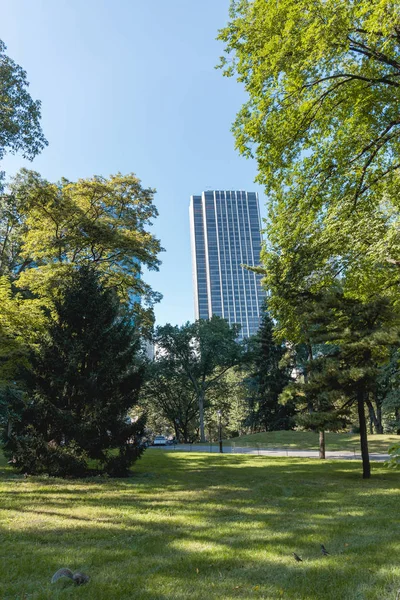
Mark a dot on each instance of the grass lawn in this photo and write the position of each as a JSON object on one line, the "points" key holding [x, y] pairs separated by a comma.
{"points": [[307, 440], [193, 526]]}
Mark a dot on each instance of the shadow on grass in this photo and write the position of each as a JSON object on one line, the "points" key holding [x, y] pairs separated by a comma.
{"points": [[198, 526]]}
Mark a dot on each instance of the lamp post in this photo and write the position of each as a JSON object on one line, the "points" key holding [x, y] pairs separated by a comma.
{"points": [[219, 431]]}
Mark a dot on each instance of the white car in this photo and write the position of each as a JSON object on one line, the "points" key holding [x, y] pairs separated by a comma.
{"points": [[160, 440]]}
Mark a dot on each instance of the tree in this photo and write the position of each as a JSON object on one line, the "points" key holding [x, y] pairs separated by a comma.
{"points": [[20, 115], [358, 338], [227, 403], [203, 351], [169, 393], [268, 378], [48, 229], [321, 403], [322, 80], [394, 460], [22, 321], [82, 382], [386, 394], [322, 121]]}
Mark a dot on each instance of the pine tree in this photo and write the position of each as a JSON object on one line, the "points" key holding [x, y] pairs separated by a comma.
{"points": [[358, 337], [268, 380], [82, 383]]}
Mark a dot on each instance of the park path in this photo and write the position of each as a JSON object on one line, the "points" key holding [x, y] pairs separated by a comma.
{"points": [[332, 454]]}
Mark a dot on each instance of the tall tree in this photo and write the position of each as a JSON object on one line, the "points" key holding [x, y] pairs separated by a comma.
{"points": [[204, 351], [47, 229], [321, 119], [82, 382], [20, 128], [269, 376], [168, 392], [227, 404]]}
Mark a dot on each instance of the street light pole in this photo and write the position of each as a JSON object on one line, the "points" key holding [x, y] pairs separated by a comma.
{"points": [[219, 431]]}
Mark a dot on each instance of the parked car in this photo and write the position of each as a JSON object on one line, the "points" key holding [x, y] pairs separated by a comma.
{"points": [[160, 440]]}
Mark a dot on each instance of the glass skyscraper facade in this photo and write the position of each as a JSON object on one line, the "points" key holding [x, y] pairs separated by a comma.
{"points": [[225, 229]]}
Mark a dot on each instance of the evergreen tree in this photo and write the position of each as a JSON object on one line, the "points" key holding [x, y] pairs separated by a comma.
{"points": [[320, 404], [358, 337], [83, 380], [269, 378]]}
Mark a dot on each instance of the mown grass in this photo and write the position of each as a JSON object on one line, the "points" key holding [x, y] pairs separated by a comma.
{"points": [[308, 440], [193, 526]]}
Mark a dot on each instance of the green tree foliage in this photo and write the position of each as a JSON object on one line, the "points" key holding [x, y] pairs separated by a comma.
{"points": [[394, 460], [47, 229], [269, 376], [358, 338], [230, 397], [22, 320], [323, 87], [322, 120], [83, 380], [19, 115], [11, 219], [387, 393], [169, 393], [203, 351]]}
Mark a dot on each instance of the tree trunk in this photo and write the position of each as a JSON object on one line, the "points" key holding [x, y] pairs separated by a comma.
{"points": [[397, 417], [379, 417], [309, 359], [372, 416], [322, 444], [201, 416], [363, 435]]}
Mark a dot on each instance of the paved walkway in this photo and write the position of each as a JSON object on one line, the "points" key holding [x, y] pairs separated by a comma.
{"points": [[333, 454]]}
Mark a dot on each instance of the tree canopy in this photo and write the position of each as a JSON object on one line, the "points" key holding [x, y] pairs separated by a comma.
{"points": [[203, 351], [20, 128], [322, 79], [321, 119], [47, 228]]}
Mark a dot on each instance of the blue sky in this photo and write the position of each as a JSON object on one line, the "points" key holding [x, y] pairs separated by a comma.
{"points": [[130, 85]]}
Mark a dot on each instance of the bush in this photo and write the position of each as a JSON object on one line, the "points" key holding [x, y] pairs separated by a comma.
{"points": [[394, 453]]}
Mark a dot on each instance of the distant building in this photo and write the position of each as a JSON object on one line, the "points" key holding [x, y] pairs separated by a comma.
{"points": [[225, 229]]}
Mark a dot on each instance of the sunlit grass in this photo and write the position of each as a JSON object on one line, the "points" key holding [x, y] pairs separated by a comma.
{"points": [[192, 526], [308, 440]]}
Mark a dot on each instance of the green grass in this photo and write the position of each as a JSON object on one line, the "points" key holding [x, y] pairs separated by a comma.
{"points": [[307, 440], [193, 526]]}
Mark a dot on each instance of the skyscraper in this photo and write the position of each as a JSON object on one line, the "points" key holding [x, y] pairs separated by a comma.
{"points": [[225, 234]]}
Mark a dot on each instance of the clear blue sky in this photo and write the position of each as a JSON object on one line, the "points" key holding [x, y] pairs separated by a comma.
{"points": [[130, 85]]}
